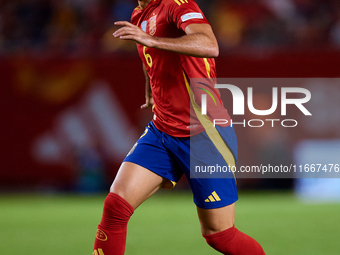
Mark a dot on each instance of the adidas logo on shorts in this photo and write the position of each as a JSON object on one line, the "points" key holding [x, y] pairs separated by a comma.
{"points": [[213, 198]]}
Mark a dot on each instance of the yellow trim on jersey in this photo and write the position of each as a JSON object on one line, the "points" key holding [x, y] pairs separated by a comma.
{"points": [[207, 66], [182, 2], [211, 131]]}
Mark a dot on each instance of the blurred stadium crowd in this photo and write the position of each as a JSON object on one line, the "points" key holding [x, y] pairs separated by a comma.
{"points": [[79, 26]]}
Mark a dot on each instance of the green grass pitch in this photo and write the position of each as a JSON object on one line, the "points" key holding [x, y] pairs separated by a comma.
{"points": [[165, 224]]}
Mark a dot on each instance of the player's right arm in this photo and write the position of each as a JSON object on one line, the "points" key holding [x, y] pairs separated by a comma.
{"points": [[148, 94], [199, 40]]}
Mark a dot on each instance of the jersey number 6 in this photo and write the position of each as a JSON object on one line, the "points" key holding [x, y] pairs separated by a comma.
{"points": [[148, 57]]}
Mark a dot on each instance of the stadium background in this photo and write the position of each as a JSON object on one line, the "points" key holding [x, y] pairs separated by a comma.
{"points": [[70, 96]]}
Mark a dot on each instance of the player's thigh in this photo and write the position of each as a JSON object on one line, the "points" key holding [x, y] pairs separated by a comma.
{"points": [[216, 220], [147, 167], [135, 183]]}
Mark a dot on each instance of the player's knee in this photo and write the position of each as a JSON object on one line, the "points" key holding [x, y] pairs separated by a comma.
{"points": [[210, 230], [119, 190], [233, 242], [220, 240], [114, 204], [116, 210]]}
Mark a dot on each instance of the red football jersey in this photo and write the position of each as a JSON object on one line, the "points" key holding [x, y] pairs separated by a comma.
{"points": [[171, 72]]}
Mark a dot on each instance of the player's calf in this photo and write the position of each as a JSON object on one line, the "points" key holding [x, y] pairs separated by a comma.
{"points": [[234, 242], [111, 232]]}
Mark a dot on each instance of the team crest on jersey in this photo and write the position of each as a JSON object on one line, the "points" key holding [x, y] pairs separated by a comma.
{"points": [[144, 25], [152, 25]]}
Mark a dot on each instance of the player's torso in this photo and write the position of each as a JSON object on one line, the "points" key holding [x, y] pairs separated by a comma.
{"points": [[154, 20], [169, 71]]}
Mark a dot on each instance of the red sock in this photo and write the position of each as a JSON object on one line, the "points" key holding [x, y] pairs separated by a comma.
{"points": [[234, 242], [111, 233]]}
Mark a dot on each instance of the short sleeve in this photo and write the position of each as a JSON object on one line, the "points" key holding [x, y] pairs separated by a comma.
{"points": [[185, 12], [135, 15]]}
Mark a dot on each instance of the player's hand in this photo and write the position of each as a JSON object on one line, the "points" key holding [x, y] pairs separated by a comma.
{"points": [[132, 32], [148, 103]]}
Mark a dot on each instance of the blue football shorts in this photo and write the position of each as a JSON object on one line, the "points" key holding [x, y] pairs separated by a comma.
{"points": [[171, 157]]}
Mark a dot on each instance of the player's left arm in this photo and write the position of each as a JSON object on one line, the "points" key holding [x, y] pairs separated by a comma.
{"points": [[199, 40], [148, 93]]}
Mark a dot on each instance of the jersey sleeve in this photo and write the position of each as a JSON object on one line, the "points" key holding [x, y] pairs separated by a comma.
{"points": [[186, 12], [135, 15]]}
